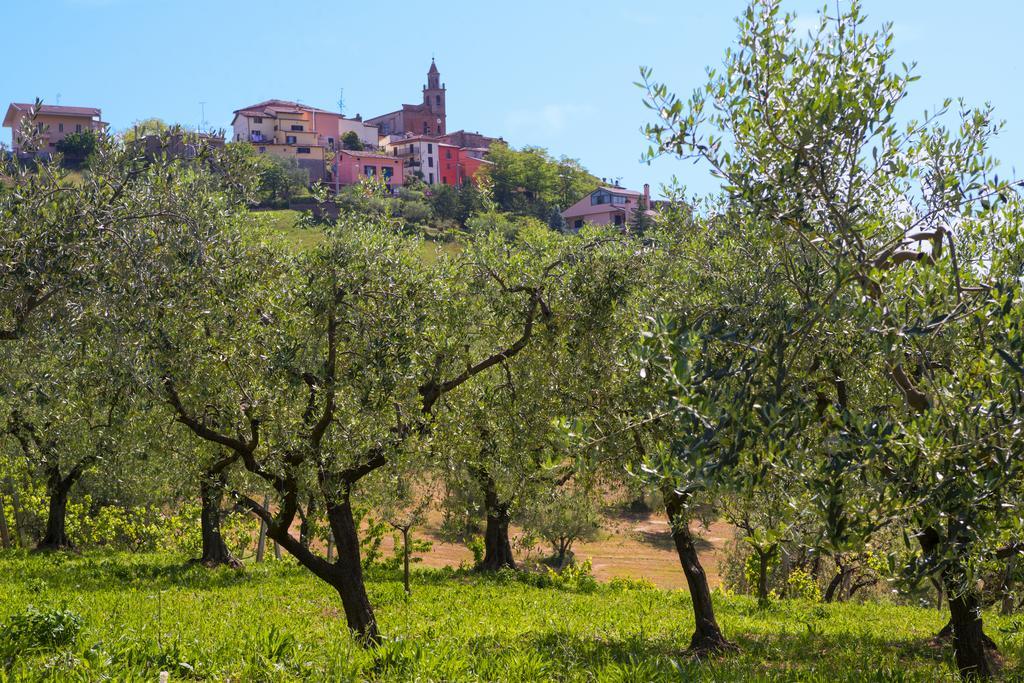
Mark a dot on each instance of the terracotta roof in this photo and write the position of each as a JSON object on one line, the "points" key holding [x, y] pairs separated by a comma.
{"points": [[417, 138], [280, 105], [589, 210], [52, 109], [367, 155]]}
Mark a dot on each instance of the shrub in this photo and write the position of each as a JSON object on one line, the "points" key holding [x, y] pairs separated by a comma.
{"points": [[39, 629], [800, 584], [621, 584], [77, 146], [351, 141], [477, 546]]}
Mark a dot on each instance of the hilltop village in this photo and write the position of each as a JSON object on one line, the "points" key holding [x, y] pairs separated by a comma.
{"points": [[411, 143]]}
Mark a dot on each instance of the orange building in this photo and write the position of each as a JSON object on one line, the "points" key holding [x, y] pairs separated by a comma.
{"points": [[54, 123]]}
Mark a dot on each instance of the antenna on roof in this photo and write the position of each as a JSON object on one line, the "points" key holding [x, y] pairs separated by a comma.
{"points": [[202, 117], [58, 98], [341, 101]]}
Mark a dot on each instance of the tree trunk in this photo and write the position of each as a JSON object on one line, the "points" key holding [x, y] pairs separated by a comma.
{"points": [[306, 523], [346, 575], [261, 543], [5, 532], [19, 518], [763, 558], [1009, 600], [405, 552], [497, 548], [976, 654], [56, 537], [707, 636], [832, 592], [215, 551]]}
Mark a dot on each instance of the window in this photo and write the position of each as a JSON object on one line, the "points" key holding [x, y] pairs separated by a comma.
{"points": [[297, 127], [437, 99], [578, 224], [302, 150], [78, 128], [60, 127], [618, 219], [330, 142], [257, 119], [263, 149], [430, 148], [387, 172], [370, 171], [410, 149], [289, 139], [618, 199], [426, 128], [431, 178], [430, 162], [447, 154]]}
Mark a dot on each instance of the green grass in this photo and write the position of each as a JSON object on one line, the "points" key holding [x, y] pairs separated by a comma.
{"points": [[141, 614], [284, 221]]}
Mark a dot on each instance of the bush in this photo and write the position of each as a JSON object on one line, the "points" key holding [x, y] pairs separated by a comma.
{"points": [[621, 584], [77, 146], [34, 630], [801, 585], [351, 141]]}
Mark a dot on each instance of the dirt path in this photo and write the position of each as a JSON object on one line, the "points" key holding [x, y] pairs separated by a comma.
{"points": [[635, 545]]}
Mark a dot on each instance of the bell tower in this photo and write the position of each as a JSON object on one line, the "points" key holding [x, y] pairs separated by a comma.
{"points": [[433, 99]]}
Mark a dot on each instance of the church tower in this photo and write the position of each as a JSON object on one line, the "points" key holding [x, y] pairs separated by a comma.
{"points": [[433, 99]]}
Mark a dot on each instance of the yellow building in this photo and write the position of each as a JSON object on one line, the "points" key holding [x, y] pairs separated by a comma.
{"points": [[288, 130]]}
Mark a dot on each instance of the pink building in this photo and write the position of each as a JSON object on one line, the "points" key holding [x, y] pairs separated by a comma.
{"points": [[352, 167], [607, 206]]}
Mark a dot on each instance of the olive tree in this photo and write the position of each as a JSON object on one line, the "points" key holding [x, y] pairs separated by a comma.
{"points": [[887, 234]]}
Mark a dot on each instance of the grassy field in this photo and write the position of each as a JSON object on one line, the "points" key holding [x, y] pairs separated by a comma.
{"points": [[138, 615], [285, 221]]}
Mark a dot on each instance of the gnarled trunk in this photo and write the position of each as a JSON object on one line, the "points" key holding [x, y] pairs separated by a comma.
{"points": [[976, 654], [497, 548], [347, 572], [707, 636], [57, 489], [215, 550], [834, 590]]}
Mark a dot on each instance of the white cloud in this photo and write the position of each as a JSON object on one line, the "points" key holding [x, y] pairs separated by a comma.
{"points": [[549, 119]]}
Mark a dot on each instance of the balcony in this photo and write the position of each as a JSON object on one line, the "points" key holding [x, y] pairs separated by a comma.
{"points": [[257, 137]]}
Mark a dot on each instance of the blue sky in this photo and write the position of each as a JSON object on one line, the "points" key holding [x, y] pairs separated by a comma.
{"points": [[555, 74]]}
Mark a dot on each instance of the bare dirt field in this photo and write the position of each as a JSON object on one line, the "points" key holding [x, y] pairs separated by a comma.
{"points": [[631, 545]]}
